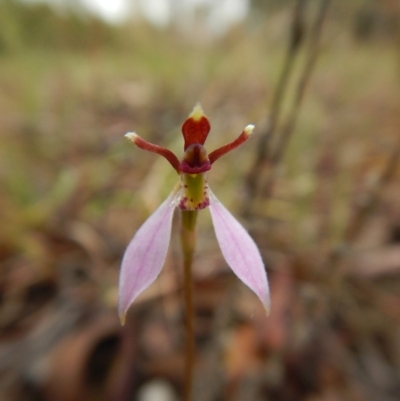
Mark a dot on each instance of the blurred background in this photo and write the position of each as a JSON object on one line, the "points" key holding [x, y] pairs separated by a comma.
{"points": [[317, 186]]}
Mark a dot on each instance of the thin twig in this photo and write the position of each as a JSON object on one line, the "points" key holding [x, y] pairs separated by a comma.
{"points": [[305, 77], [265, 157], [296, 38], [287, 131]]}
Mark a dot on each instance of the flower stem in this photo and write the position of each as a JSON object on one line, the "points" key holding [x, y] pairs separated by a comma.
{"points": [[188, 241]]}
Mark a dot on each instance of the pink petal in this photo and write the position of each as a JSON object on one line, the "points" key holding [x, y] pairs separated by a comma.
{"points": [[145, 255], [240, 251]]}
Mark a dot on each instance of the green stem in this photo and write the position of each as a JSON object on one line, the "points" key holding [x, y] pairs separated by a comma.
{"points": [[188, 241]]}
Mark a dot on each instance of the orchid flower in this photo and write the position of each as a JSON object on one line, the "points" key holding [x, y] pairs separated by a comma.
{"points": [[146, 253]]}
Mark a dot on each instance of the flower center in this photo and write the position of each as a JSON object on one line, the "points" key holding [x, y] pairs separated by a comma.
{"points": [[195, 160], [194, 193]]}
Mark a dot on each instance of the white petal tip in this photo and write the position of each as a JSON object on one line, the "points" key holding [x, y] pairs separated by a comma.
{"points": [[248, 130], [122, 318], [131, 136]]}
